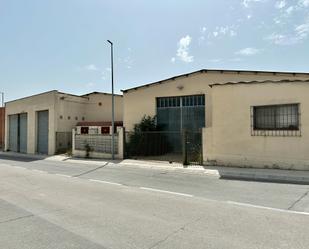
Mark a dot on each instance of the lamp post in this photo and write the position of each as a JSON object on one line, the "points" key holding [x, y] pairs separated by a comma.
{"points": [[3, 123], [2, 99], [113, 101]]}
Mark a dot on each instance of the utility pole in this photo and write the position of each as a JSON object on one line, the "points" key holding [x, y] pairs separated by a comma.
{"points": [[113, 100], [2, 99], [3, 122]]}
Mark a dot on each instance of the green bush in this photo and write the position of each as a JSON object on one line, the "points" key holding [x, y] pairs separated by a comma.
{"points": [[147, 139]]}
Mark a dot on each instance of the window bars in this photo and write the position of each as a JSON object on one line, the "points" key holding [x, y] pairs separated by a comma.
{"points": [[275, 120]]}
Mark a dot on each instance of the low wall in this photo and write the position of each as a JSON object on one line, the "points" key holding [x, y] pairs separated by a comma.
{"points": [[100, 146]]}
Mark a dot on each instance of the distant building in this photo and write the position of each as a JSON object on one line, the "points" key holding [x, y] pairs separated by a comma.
{"points": [[43, 123]]}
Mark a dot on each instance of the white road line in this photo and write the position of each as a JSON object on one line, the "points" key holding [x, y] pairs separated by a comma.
{"points": [[63, 175], [166, 192], [99, 181], [18, 167], [39, 171], [267, 208]]}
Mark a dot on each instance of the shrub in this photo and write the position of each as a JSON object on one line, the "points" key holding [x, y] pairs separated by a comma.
{"points": [[147, 139]]}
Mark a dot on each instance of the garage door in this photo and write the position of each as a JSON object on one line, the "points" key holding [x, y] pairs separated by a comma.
{"points": [[23, 132], [13, 133], [18, 132], [42, 132]]}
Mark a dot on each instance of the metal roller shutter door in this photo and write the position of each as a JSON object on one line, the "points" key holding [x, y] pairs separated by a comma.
{"points": [[13, 133], [42, 132], [23, 132]]}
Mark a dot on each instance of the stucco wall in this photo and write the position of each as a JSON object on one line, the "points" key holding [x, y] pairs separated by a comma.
{"points": [[69, 111], [31, 106], [103, 112], [65, 111], [229, 140], [142, 101]]}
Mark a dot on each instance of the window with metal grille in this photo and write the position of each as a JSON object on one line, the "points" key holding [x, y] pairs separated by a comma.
{"points": [[181, 112], [192, 100], [276, 120]]}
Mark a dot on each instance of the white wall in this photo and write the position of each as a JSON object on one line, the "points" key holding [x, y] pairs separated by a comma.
{"points": [[230, 142], [31, 105]]}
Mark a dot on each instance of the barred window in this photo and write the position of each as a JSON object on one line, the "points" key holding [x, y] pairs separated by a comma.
{"points": [[276, 118]]}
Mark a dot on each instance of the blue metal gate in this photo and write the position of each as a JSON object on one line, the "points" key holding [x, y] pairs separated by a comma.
{"points": [[42, 132]]}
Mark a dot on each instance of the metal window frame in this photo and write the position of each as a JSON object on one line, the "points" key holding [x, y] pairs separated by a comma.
{"points": [[194, 99], [184, 101], [281, 132]]}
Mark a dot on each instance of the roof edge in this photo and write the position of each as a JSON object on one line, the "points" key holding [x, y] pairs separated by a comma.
{"points": [[216, 71], [33, 95], [259, 82], [104, 93]]}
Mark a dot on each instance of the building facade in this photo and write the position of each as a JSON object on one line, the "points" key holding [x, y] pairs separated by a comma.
{"points": [[36, 123], [260, 124], [186, 101]]}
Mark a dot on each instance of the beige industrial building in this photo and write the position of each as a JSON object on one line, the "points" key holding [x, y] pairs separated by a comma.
{"points": [[260, 124], [40, 123], [234, 130]]}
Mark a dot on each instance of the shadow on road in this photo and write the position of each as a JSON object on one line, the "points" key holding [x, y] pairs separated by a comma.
{"points": [[20, 158]]}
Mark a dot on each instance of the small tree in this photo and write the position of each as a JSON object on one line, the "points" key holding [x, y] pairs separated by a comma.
{"points": [[147, 123], [146, 139]]}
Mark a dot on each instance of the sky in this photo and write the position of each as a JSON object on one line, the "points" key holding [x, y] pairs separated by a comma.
{"points": [[61, 44]]}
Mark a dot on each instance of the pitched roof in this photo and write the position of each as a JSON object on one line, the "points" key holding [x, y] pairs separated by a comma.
{"points": [[218, 71], [93, 93]]}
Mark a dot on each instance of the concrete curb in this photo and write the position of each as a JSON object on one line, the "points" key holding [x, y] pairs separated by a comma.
{"points": [[227, 173]]}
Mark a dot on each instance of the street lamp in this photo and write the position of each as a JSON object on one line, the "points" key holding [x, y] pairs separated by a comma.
{"points": [[2, 99], [3, 122], [113, 101]]}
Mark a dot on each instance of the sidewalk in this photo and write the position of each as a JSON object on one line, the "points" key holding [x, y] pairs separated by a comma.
{"points": [[232, 173]]}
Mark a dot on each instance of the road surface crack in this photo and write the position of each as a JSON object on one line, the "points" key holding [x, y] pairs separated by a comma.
{"points": [[92, 170], [298, 200], [18, 218], [182, 228]]}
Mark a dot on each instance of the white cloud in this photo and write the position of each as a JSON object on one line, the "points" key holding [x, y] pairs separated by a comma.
{"points": [[91, 67], [278, 39], [290, 10], [248, 51], [300, 33], [304, 3], [202, 37], [183, 49], [280, 4], [173, 59], [246, 3], [233, 33], [90, 84], [224, 31]]}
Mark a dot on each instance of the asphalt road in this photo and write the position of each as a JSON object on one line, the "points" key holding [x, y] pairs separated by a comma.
{"points": [[49, 204]]}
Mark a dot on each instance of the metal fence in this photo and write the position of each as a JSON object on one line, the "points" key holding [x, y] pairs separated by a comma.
{"points": [[63, 142], [183, 147], [96, 143]]}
